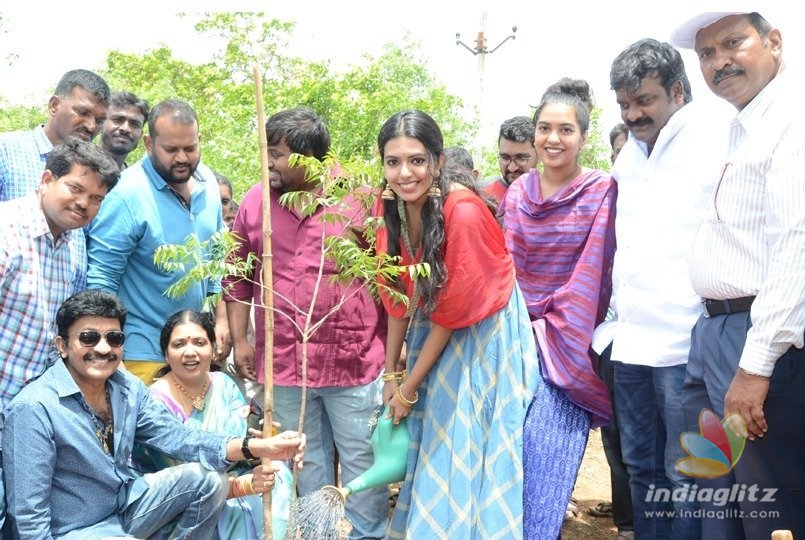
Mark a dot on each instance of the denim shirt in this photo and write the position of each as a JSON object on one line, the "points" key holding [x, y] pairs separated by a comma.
{"points": [[58, 477]]}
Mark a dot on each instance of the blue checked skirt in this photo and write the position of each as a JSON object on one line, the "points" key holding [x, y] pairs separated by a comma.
{"points": [[465, 462]]}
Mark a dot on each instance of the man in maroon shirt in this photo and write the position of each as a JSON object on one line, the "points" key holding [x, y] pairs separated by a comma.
{"points": [[345, 355]]}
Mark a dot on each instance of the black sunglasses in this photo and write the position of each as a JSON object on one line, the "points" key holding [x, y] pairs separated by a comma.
{"points": [[90, 338]]}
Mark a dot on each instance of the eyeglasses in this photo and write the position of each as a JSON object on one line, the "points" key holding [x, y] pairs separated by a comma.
{"points": [[90, 338], [520, 161]]}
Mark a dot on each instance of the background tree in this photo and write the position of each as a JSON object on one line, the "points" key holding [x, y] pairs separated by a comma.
{"points": [[354, 102]]}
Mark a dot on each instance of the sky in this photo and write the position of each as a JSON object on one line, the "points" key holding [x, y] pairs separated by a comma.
{"points": [[577, 39]]}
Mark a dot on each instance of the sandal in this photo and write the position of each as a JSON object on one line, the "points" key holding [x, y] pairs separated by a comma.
{"points": [[602, 510], [572, 511]]}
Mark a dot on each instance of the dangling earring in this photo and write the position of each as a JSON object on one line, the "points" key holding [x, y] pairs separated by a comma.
{"points": [[388, 194], [434, 192]]}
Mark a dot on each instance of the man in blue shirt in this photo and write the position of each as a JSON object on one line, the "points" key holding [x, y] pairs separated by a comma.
{"points": [[69, 434], [162, 199], [77, 108]]}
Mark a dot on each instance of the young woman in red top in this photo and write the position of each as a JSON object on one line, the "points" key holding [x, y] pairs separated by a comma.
{"points": [[471, 356]]}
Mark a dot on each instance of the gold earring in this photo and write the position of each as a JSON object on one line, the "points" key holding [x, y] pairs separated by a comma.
{"points": [[434, 192], [388, 194]]}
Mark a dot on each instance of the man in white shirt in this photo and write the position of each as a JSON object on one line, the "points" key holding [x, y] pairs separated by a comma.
{"points": [[748, 263], [664, 182]]}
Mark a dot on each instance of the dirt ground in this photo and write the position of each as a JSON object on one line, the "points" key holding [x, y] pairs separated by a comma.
{"points": [[592, 487]]}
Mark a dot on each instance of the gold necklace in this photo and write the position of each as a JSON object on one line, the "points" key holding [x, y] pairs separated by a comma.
{"points": [[105, 426], [413, 303], [198, 401]]}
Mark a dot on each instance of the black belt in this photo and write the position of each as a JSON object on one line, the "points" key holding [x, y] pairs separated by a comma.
{"points": [[714, 308]]}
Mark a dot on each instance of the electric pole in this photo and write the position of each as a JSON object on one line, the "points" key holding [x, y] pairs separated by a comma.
{"points": [[480, 50]]}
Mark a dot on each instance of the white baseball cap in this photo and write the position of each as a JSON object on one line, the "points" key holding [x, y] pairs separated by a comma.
{"points": [[685, 35]]}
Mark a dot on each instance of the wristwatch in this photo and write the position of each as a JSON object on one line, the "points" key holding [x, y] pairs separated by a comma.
{"points": [[244, 447]]}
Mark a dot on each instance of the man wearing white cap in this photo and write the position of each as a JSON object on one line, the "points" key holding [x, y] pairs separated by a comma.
{"points": [[748, 265]]}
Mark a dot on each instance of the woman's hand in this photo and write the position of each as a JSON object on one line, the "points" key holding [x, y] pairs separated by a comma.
{"points": [[263, 478], [389, 387], [396, 409]]}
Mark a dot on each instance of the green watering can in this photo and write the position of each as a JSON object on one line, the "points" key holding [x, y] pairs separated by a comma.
{"points": [[390, 448]]}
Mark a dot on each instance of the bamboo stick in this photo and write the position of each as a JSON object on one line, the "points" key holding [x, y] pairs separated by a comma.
{"points": [[268, 292]]}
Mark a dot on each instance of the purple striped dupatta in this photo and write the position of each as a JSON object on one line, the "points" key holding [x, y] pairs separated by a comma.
{"points": [[563, 249]]}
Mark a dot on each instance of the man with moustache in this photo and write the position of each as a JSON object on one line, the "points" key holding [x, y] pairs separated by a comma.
{"points": [[664, 183], [124, 125], [69, 437], [162, 199], [516, 153], [748, 266], [77, 108], [43, 260]]}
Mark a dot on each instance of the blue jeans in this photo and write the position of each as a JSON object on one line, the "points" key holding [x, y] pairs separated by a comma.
{"points": [[648, 405], [338, 418], [188, 493], [2, 498], [611, 441]]}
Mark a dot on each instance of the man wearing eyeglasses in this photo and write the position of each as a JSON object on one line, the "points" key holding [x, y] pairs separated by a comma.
{"points": [[43, 259], [69, 437], [516, 153]]}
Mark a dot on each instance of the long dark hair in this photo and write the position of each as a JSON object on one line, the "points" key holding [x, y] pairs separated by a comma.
{"points": [[420, 126]]}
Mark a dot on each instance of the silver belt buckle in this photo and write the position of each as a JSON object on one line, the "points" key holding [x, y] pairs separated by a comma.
{"points": [[704, 309]]}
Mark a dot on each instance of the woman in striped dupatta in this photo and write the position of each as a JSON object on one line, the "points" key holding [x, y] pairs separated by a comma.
{"points": [[559, 226], [211, 401], [471, 357]]}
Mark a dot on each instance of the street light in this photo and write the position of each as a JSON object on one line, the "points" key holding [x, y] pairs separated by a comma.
{"points": [[480, 42], [480, 51]]}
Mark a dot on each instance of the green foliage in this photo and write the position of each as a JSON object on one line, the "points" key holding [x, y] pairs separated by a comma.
{"points": [[489, 164], [595, 154], [354, 103], [196, 261], [225, 109], [346, 196], [17, 117]]}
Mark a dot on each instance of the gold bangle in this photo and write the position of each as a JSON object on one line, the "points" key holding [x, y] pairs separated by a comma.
{"points": [[402, 399], [248, 488], [394, 376]]}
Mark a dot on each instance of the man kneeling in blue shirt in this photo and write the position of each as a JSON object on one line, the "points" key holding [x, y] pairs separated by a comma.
{"points": [[68, 438]]}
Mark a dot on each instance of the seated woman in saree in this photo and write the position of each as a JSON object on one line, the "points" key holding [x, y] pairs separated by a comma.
{"points": [[211, 401]]}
